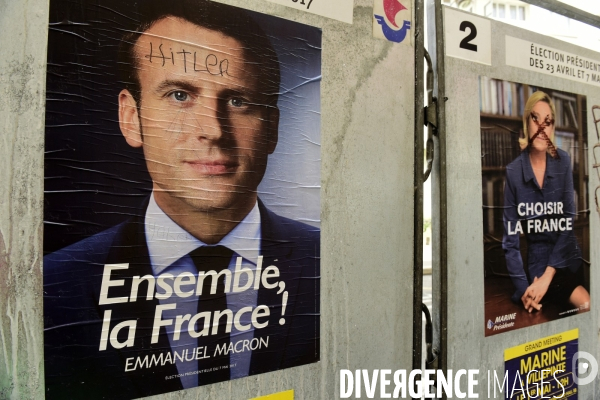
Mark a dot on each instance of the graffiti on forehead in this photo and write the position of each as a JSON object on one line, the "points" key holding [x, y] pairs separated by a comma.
{"points": [[199, 63], [540, 131]]}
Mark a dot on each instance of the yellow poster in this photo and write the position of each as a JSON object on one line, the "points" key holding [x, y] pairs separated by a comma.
{"points": [[287, 395], [542, 367]]}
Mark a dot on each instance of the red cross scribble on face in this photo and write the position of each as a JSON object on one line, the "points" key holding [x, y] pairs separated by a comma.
{"points": [[541, 126]]}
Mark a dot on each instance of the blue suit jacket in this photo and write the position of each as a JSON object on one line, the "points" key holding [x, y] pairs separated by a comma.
{"points": [[75, 368]]}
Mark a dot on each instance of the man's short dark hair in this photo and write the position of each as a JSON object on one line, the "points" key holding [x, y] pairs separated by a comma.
{"points": [[228, 20]]}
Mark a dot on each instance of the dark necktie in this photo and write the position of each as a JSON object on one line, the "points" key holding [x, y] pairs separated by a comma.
{"points": [[215, 368]]}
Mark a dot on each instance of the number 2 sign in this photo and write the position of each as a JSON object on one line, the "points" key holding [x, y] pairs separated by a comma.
{"points": [[467, 36]]}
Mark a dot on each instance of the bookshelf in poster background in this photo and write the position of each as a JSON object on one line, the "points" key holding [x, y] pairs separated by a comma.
{"points": [[503, 103]]}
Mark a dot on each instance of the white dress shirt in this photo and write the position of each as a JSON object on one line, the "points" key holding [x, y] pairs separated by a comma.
{"points": [[168, 247]]}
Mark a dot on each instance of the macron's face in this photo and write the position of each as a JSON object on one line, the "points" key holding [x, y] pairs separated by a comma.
{"points": [[206, 130]]}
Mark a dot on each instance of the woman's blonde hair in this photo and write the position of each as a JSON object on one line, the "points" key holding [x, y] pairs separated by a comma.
{"points": [[535, 98]]}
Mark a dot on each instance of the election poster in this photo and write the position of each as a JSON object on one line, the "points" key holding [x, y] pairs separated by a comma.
{"points": [[534, 168], [182, 196], [543, 368]]}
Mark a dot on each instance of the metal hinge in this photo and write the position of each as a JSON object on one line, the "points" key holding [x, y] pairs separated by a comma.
{"points": [[431, 360], [431, 117]]}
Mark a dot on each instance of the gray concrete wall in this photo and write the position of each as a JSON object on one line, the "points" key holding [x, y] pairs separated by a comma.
{"points": [[22, 87], [366, 206]]}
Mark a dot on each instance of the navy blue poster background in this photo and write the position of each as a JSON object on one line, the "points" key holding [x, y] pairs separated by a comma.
{"points": [[132, 309], [94, 180]]}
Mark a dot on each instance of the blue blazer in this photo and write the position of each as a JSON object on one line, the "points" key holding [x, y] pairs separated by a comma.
{"points": [[74, 366]]}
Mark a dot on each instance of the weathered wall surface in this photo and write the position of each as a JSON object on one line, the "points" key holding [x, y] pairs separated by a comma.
{"points": [[367, 206], [22, 83]]}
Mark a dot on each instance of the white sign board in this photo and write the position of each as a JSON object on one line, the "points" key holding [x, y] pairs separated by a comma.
{"points": [[467, 37], [547, 60], [340, 10]]}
